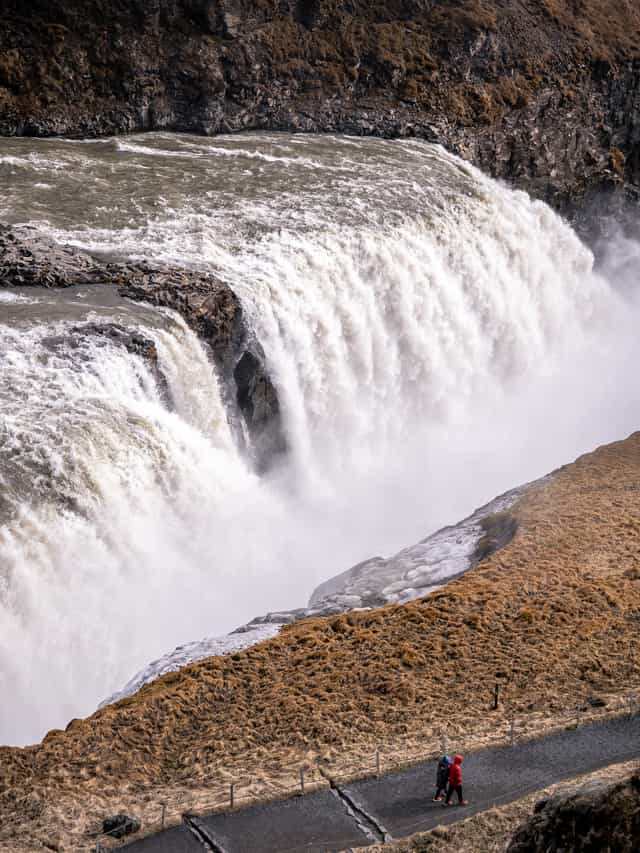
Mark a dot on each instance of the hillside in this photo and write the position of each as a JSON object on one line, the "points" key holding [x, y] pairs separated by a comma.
{"points": [[554, 616], [543, 92]]}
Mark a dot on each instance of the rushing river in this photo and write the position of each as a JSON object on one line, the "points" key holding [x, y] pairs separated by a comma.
{"points": [[435, 338]]}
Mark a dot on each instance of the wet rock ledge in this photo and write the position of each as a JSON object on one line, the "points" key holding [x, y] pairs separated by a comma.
{"points": [[208, 305]]}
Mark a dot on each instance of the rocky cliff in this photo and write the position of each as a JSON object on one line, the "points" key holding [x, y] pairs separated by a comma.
{"points": [[598, 815], [543, 92]]}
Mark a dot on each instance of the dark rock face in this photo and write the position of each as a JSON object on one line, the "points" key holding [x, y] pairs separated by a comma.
{"points": [[214, 311], [120, 825], [28, 259], [597, 816], [209, 306], [546, 94]]}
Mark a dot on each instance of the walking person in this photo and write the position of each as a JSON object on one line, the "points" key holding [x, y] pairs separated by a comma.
{"points": [[442, 778], [455, 782]]}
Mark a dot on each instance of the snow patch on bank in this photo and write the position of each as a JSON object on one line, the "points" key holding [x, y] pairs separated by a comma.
{"points": [[411, 573], [190, 653], [417, 570]]}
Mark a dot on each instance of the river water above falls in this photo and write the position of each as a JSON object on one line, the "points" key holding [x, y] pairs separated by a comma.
{"points": [[434, 337]]}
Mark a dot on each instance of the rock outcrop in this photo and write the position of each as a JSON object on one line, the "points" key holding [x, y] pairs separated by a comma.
{"points": [[214, 311], [27, 259], [208, 305], [546, 94], [120, 825], [599, 815]]}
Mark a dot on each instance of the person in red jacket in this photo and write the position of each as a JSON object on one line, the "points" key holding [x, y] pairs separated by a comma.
{"points": [[455, 782]]}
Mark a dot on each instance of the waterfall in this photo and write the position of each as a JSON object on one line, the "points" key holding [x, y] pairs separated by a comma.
{"points": [[435, 338]]}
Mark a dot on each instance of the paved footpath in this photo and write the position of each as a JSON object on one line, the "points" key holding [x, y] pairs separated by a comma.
{"points": [[399, 804]]}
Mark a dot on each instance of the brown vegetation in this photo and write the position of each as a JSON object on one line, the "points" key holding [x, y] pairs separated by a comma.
{"points": [[555, 615]]}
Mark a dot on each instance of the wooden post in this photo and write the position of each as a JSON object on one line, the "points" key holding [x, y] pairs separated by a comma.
{"points": [[302, 779], [164, 811], [231, 793], [496, 696], [378, 763], [513, 731]]}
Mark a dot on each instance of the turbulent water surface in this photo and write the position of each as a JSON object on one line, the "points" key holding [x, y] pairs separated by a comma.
{"points": [[435, 339]]}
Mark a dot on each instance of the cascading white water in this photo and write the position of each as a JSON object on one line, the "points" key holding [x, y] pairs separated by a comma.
{"points": [[435, 339]]}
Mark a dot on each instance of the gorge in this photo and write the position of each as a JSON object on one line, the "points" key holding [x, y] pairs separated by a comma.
{"points": [[409, 325], [306, 307]]}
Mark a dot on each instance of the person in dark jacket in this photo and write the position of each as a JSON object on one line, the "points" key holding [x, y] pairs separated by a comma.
{"points": [[455, 782], [442, 778]]}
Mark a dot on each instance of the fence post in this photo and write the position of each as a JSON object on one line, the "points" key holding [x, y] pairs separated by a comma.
{"points": [[302, 779], [513, 731], [164, 810], [231, 793], [378, 763], [496, 696], [443, 744]]}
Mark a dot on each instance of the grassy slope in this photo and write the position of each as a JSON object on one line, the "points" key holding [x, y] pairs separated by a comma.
{"points": [[557, 611]]}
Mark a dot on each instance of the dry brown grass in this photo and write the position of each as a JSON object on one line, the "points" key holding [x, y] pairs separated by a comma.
{"points": [[556, 613], [491, 831]]}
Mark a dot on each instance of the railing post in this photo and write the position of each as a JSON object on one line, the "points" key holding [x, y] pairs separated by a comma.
{"points": [[302, 780], [513, 731], [443, 744], [231, 794], [164, 811], [378, 763]]}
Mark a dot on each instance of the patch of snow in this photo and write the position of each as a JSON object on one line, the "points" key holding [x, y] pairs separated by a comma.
{"points": [[411, 573], [417, 570], [192, 652]]}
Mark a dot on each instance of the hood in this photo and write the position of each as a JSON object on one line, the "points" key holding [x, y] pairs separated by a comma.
{"points": [[457, 759]]}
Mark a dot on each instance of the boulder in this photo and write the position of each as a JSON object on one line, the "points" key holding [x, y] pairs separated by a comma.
{"points": [[119, 825]]}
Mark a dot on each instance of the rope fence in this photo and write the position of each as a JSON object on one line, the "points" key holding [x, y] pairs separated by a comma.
{"points": [[321, 774]]}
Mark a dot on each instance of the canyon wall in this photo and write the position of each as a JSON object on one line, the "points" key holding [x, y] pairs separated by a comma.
{"points": [[532, 90]]}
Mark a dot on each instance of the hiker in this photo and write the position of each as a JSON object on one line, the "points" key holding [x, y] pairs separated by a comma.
{"points": [[455, 782], [442, 778]]}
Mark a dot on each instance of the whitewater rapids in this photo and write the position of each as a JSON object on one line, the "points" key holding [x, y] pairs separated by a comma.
{"points": [[435, 339]]}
